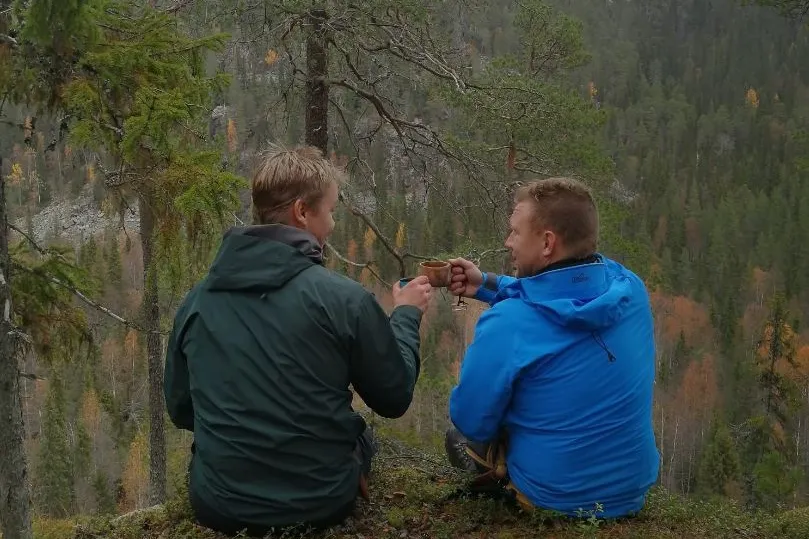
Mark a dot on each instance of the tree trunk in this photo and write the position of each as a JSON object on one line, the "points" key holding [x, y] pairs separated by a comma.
{"points": [[151, 322], [317, 89], [15, 494]]}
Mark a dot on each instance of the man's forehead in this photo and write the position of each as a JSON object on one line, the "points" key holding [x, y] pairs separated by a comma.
{"points": [[521, 210]]}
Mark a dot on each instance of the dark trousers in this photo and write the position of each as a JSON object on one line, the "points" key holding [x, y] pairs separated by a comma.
{"points": [[364, 451]]}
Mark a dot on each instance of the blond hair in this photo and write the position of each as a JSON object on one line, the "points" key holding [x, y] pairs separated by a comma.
{"points": [[284, 176], [566, 207]]}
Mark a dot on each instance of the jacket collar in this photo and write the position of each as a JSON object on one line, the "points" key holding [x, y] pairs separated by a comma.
{"points": [[569, 262], [581, 279], [297, 238]]}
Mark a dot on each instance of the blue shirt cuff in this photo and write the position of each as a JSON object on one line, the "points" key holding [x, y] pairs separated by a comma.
{"points": [[487, 292]]}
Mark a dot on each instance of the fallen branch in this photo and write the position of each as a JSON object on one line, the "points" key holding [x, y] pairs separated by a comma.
{"points": [[30, 376]]}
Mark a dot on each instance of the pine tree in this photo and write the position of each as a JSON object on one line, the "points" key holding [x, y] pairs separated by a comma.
{"points": [[346, 58], [777, 349], [54, 463], [720, 464], [774, 474], [105, 502], [140, 95], [775, 479]]}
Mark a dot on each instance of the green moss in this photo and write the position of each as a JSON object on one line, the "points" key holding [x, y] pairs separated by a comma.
{"points": [[414, 492], [52, 528], [792, 524]]}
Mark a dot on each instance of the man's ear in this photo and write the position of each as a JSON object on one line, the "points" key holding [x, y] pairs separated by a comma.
{"points": [[299, 212], [548, 243]]}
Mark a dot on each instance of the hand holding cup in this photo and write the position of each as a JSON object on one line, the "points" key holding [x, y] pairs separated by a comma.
{"points": [[417, 293], [466, 278]]}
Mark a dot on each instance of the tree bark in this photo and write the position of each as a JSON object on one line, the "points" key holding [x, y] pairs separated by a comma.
{"points": [[15, 493], [151, 323], [317, 90]]}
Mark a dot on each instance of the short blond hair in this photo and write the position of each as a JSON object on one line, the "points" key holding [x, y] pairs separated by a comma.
{"points": [[284, 176], [565, 206]]}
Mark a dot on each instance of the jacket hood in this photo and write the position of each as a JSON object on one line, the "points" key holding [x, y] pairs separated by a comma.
{"points": [[587, 296], [262, 257]]}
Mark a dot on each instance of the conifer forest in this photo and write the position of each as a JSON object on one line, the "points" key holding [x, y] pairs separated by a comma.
{"points": [[129, 130]]}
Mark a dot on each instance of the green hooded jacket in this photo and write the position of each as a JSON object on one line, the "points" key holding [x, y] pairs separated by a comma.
{"points": [[258, 367]]}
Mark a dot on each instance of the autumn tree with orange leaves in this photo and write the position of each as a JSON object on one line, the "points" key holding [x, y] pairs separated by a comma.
{"points": [[774, 474]]}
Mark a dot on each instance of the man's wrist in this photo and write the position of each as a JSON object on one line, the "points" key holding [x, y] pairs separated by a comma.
{"points": [[487, 291], [490, 281]]}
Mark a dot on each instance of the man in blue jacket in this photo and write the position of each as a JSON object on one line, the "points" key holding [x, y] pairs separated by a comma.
{"points": [[554, 399]]}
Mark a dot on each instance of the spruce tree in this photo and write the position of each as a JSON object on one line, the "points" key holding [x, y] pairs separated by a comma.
{"points": [[720, 464], [56, 494], [141, 96]]}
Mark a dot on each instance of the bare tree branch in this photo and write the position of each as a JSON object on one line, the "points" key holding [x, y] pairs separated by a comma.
{"points": [[5, 38], [177, 6], [398, 254], [80, 295], [367, 265], [478, 258], [73, 290], [41, 250]]}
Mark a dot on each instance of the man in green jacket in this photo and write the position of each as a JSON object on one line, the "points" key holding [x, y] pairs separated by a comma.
{"points": [[262, 354]]}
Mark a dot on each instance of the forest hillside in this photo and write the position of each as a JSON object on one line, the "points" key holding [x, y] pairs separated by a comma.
{"points": [[128, 133]]}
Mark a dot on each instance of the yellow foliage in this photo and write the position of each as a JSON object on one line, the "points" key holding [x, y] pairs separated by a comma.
{"points": [[16, 174], [352, 255], [778, 432], [131, 343], [271, 57], [752, 98], [368, 242], [91, 413], [787, 340], [135, 477], [802, 361], [400, 236], [108, 206], [365, 276], [231, 131], [592, 90]]}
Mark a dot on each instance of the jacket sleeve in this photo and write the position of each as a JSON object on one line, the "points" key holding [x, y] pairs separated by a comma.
{"points": [[385, 361], [176, 384], [492, 284], [478, 403]]}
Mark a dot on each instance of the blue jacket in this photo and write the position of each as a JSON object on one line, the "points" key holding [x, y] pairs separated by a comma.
{"points": [[565, 362]]}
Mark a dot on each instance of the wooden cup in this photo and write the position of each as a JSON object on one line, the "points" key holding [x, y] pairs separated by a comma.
{"points": [[437, 272]]}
